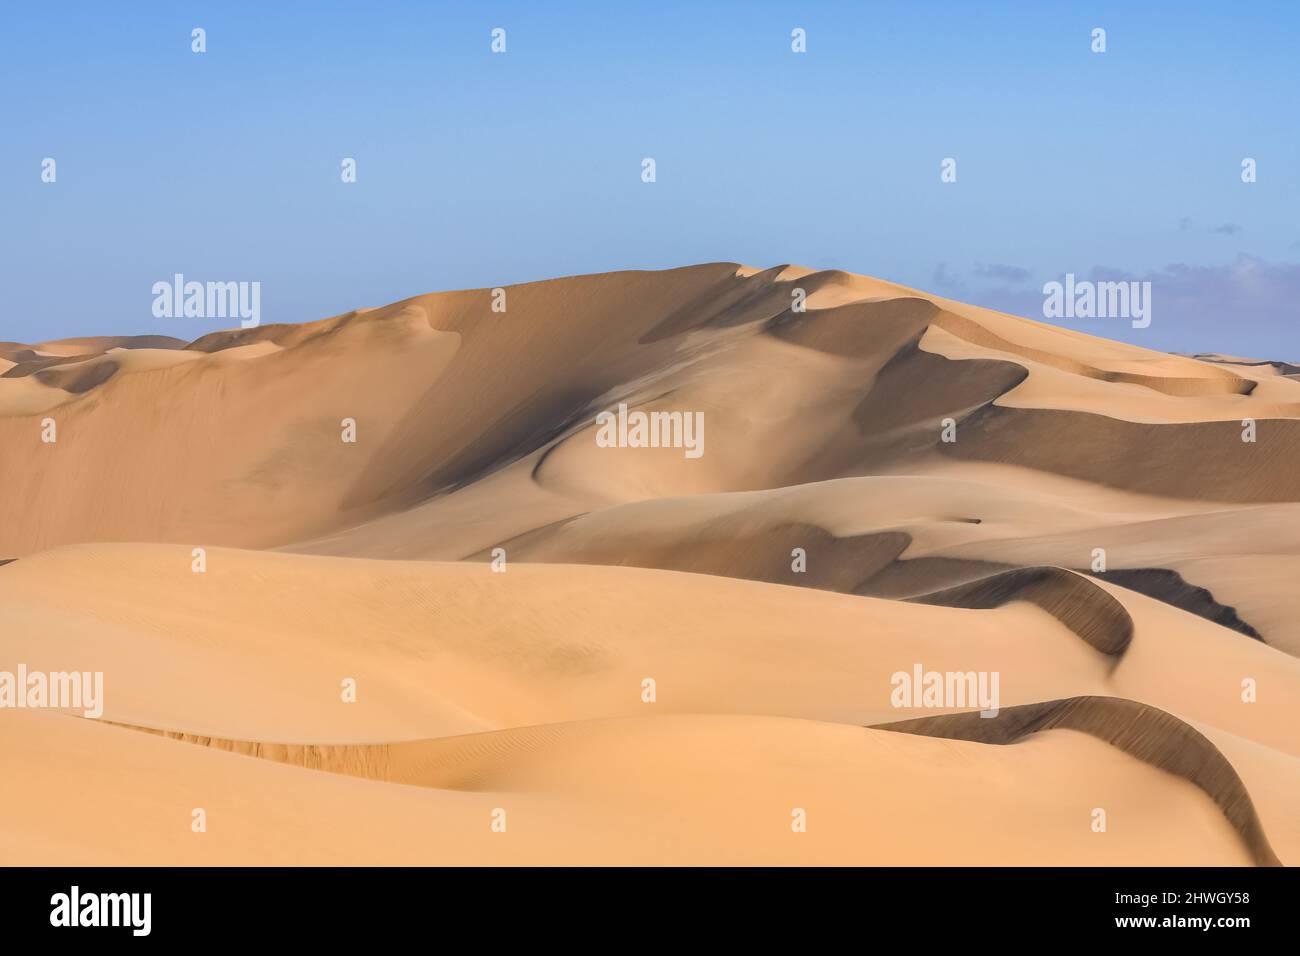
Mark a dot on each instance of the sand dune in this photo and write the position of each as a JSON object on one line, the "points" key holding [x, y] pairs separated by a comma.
{"points": [[670, 790], [652, 654]]}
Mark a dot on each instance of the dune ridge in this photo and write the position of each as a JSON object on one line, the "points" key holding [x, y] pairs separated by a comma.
{"points": [[1146, 732], [1084, 608]]}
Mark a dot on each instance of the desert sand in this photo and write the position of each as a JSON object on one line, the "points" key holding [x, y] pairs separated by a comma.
{"points": [[475, 634]]}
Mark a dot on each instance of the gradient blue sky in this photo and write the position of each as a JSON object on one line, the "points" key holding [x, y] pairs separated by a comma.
{"points": [[479, 170]]}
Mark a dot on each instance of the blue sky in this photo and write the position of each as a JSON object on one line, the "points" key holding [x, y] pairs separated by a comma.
{"points": [[477, 169]]}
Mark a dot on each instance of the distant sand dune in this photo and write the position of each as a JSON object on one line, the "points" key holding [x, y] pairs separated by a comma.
{"points": [[1205, 460]]}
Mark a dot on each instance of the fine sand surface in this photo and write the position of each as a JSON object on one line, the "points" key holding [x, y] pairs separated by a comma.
{"points": [[475, 635]]}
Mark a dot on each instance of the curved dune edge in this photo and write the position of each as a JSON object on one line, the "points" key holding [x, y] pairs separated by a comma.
{"points": [[1140, 730], [466, 762], [905, 580], [1072, 599]]}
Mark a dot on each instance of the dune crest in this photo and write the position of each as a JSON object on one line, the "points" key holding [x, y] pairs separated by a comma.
{"points": [[1146, 732]]}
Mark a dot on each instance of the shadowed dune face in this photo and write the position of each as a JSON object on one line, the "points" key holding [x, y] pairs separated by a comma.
{"points": [[78, 378], [30, 363], [892, 412], [1205, 460], [1149, 734], [644, 540]]}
